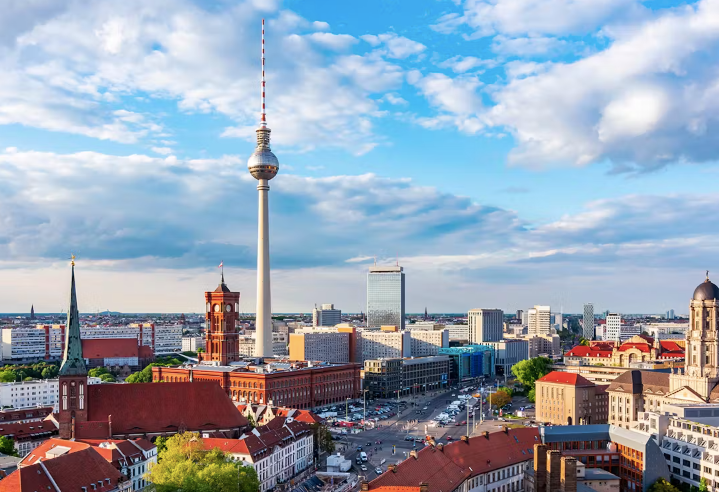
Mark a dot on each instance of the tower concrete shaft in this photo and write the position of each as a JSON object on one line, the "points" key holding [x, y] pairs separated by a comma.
{"points": [[263, 318]]}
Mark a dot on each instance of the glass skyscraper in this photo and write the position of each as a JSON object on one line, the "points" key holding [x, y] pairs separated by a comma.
{"points": [[385, 297]]}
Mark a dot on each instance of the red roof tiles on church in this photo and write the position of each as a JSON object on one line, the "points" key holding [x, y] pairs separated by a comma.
{"points": [[161, 407], [584, 351], [565, 378], [69, 472], [105, 348]]}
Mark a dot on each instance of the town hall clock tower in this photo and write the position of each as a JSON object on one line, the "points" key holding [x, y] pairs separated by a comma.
{"points": [[221, 314]]}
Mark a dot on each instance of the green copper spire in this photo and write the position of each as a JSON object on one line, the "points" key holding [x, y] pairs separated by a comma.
{"points": [[72, 362]]}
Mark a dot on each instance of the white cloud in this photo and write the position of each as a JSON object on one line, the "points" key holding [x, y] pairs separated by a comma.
{"points": [[162, 150], [527, 46], [337, 42], [645, 101], [394, 99], [462, 64], [395, 46], [536, 17]]}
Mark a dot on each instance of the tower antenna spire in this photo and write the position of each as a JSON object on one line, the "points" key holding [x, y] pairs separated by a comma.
{"points": [[263, 119]]}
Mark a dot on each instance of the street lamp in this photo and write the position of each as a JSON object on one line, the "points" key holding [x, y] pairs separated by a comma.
{"points": [[346, 411], [364, 408]]}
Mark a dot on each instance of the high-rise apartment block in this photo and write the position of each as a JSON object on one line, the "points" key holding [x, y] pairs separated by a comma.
{"points": [[326, 315], [385, 344], [539, 321], [385, 297], [320, 345], [613, 327], [670, 314], [193, 344], [588, 329], [485, 325], [458, 332], [425, 342]]}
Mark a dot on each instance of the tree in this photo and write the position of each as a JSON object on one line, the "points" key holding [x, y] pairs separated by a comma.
{"points": [[108, 378], [97, 372], [506, 390], [528, 371], [185, 465], [324, 438], [251, 420], [703, 485], [50, 372], [532, 395], [500, 398], [662, 485], [584, 341], [161, 443], [7, 446], [7, 376]]}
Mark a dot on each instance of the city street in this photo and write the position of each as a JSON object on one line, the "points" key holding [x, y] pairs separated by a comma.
{"points": [[409, 423]]}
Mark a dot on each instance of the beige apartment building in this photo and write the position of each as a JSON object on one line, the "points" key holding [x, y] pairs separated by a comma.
{"points": [[569, 399], [426, 343], [326, 346]]}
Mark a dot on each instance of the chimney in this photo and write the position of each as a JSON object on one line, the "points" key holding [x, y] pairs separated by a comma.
{"points": [[423, 487], [440, 446], [486, 434], [554, 463], [465, 439], [390, 468], [365, 486], [413, 453], [569, 474], [109, 426], [505, 429], [540, 467]]}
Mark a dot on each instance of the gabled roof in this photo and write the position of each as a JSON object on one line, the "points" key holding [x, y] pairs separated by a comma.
{"points": [[635, 381], [27, 430], [445, 467], [642, 347], [69, 472], [40, 452], [161, 407], [565, 378], [671, 346], [101, 348], [584, 351]]}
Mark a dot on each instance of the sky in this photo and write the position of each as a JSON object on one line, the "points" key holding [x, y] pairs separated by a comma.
{"points": [[506, 152]]}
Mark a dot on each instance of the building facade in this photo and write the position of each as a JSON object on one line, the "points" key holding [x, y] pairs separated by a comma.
{"points": [[425, 343], [485, 325], [325, 345], [612, 327], [507, 353], [385, 297], [569, 399], [193, 344], [386, 344], [383, 377], [588, 321], [469, 362], [458, 332], [425, 373], [539, 321], [327, 315], [33, 394]]}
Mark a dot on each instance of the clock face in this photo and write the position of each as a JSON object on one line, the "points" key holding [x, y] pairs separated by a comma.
{"points": [[228, 308], [217, 308]]}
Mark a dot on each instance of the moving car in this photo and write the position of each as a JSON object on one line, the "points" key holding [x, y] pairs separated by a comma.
{"points": [[363, 468], [378, 470]]}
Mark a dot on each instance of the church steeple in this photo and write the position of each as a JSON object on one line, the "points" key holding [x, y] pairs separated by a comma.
{"points": [[73, 363], [32, 312]]}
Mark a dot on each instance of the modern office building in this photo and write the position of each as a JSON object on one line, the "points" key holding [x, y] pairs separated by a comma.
{"points": [[326, 315], [588, 328], [539, 321], [485, 325], [425, 343], [385, 344], [383, 377], [420, 374], [507, 353], [325, 345], [469, 362], [385, 297], [425, 326], [670, 314], [613, 326], [628, 331], [458, 332]]}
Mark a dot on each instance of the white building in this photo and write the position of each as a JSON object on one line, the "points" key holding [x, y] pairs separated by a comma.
{"points": [[35, 393], [191, 344], [664, 331], [425, 325], [381, 344], [485, 325], [327, 315], [276, 455], [539, 321], [613, 326], [426, 342], [458, 332]]}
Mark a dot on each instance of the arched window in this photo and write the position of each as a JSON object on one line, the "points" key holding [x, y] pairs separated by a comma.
{"points": [[64, 396], [82, 396]]}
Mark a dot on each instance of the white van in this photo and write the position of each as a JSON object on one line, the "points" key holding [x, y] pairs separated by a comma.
{"points": [[363, 456]]}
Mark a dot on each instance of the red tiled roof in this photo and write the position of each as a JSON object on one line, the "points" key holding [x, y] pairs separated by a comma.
{"points": [[146, 352], [642, 347], [27, 430], [11, 415], [101, 348], [68, 472], [584, 351], [446, 468], [397, 488], [565, 378], [40, 452], [161, 407], [671, 346]]}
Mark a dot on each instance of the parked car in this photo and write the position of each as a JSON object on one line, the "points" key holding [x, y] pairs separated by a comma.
{"points": [[363, 468], [378, 470]]}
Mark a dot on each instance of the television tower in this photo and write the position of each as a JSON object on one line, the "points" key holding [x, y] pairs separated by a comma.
{"points": [[263, 166]]}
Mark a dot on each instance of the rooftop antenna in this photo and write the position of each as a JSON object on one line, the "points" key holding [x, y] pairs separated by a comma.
{"points": [[263, 121], [375, 260], [397, 258]]}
